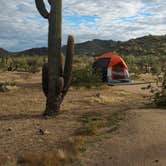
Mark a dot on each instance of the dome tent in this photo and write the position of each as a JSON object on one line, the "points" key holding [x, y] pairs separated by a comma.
{"points": [[113, 68]]}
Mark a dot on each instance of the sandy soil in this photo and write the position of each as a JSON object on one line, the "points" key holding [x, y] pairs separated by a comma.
{"points": [[140, 140]]}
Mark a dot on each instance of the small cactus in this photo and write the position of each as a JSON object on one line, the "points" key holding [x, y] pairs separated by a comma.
{"points": [[55, 79]]}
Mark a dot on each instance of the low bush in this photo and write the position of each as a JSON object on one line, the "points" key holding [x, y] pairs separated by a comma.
{"points": [[7, 86], [85, 77], [160, 96], [33, 66]]}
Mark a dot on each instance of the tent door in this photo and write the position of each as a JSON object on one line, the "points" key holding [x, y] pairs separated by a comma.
{"points": [[102, 65], [118, 71]]}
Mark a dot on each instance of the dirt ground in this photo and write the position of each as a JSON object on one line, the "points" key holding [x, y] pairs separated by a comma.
{"points": [[105, 126]]}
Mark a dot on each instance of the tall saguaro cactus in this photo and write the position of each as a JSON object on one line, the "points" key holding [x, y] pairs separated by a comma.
{"points": [[56, 80]]}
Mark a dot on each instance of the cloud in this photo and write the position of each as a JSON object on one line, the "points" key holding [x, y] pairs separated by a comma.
{"points": [[22, 27]]}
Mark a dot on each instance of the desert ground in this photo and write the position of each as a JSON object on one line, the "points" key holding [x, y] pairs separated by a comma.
{"points": [[111, 125]]}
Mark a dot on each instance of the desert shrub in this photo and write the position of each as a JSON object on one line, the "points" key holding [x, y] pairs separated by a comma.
{"points": [[160, 96], [7, 86], [156, 69], [25, 63], [3, 61], [32, 65], [85, 77], [19, 64], [83, 60], [143, 64], [2, 66]]}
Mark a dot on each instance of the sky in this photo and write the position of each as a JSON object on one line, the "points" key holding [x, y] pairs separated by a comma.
{"points": [[22, 27]]}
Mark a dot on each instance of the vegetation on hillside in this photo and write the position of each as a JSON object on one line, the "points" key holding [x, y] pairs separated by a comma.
{"points": [[24, 63], [147, 45], [145, 64]]}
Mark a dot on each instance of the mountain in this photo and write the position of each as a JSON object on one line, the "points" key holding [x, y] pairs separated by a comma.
{"points": [[34, 51], [147, 45], [3, 52], [93, 47]]}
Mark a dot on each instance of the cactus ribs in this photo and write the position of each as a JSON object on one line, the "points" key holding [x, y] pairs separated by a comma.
{"points": [[55, 82]]}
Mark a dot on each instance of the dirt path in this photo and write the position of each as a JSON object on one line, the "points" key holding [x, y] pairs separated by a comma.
{"points": [[140, 142]]}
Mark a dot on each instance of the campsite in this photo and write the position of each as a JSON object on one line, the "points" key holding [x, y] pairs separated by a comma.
{"points": [[93, 116], [82, 83]]}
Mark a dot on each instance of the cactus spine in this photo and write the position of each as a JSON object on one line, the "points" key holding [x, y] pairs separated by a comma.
{"points": [[58, 82]]}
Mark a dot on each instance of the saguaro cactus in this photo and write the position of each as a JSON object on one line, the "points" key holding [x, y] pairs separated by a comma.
{"points": [[56, 80]]}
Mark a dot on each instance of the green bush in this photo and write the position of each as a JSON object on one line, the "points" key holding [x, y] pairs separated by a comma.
{"points": [[140, 64], [23, 63], [85, 77], [32, 65], [7, 86], [160, 95], [19, 63]]}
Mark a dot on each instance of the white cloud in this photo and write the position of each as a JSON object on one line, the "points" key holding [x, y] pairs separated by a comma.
{"points": [[22, 27], [121, 20]]}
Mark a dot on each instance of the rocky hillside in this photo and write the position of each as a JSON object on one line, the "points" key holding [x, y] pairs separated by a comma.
{"points": [[34, 51], [147, 45], [93, 47], [3, 52]]}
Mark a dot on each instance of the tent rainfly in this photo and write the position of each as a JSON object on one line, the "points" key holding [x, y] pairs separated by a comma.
{"points": [[113, 68]]}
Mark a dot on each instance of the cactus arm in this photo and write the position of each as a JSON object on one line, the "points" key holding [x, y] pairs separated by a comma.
{"points": [[42, 8], [68, 64], [62, 64]]}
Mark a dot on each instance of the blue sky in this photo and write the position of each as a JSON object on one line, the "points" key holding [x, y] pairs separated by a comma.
{"points": [[21, 26]]}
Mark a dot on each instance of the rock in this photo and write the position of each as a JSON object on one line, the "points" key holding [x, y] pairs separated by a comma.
{"points": [[43, 132], [47, 132], [156, 161], [98, 95], [9, 129], [61, 154]]}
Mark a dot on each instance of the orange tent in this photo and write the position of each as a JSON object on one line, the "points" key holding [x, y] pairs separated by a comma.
{"points": [[112, 66]]}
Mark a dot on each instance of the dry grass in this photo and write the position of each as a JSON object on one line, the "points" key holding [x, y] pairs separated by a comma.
{"points": [[20, 77], [105, 99], [53, 158], [92, 122], [6, 160]]}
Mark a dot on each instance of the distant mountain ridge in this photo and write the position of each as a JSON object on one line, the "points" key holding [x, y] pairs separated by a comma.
{"points": [[93, 47], [3, 51], [34, 51], [147, 45]]}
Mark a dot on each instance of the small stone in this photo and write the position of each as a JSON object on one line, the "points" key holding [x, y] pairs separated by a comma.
{"points": [[156, 161], [43, 132], [46, 132], [9, 129], [40, 132], [110, 158], [98, 95], [61, 154]]}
